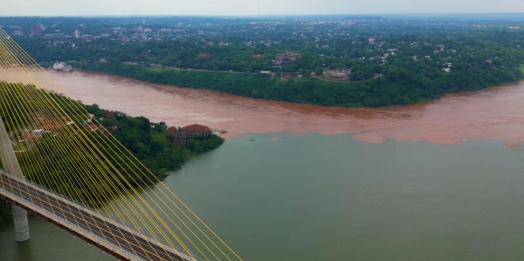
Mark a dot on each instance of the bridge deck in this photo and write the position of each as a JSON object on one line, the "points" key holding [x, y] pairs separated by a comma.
{"points": [[93, 227]]}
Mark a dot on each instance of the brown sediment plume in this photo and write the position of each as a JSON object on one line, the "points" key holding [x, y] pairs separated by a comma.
{"points": [[493, 113], [512, 145]]}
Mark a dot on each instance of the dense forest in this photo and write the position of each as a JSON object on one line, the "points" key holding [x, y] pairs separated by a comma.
{"points": [[400, 86], [388, 61], [47, 156], [150, 142]]}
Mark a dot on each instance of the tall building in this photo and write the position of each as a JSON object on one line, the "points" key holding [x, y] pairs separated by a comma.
{"points": [[77, 33]]}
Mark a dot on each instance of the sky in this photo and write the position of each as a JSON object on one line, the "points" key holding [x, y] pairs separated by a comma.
{"points": [[251, 7]]}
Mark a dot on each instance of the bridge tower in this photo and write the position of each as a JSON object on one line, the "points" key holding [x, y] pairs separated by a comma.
{"points": [[12, 167]]}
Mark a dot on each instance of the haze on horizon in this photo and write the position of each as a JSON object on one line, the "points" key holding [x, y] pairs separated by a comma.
{"points": [[250, 7]]}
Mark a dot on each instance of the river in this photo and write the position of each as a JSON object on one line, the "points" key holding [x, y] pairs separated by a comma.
{"points": [[435, 181]]}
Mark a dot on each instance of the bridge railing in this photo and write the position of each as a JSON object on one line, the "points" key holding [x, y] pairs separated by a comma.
{"points": [[93, 237], [67, 223]]}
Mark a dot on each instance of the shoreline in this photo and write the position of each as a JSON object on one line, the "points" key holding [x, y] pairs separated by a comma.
{"points": [[376, 93], [490, 113], [284, 102]]}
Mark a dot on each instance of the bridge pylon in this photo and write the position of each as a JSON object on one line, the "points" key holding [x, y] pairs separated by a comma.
{"points": [[12, 167]]}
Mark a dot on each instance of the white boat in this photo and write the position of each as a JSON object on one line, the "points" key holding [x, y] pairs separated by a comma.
{"points": [[62, 66], [216, 132]]}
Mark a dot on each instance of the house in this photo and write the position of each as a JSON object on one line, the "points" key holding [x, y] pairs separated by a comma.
{"points": [[110, 116], [91, 126], [26, 134], [204, 56], [38, 133], [337, 74], [112, 129], [288, 57], [258, 56], [197, 130], [171, 130], [194, 131]]}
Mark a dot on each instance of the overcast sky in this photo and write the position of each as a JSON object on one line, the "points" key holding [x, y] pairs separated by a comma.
{"points": [[251, 7]]}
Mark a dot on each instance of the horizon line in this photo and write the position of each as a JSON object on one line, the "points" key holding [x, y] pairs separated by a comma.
{"points": [[265, 15]]}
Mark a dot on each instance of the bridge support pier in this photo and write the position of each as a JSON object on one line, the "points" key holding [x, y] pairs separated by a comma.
{"points": [[10, 163], [21, 223]]}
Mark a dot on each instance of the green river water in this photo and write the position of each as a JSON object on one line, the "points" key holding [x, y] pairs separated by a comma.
{"points": [[328, 197]]}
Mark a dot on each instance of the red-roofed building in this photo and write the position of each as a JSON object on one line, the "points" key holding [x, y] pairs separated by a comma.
{"points": [[29, 136], [196, 129], [171, 130], [288, 57], [112, 129], [110, 116], [26, 134], [91, 126]]}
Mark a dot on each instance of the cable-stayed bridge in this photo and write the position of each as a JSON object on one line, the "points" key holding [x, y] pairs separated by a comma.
{"points": [[102, 232], [60, 163]]}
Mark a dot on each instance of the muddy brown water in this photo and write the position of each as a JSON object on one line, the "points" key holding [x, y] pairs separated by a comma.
{"points": [[275, 196], [493, 113]]}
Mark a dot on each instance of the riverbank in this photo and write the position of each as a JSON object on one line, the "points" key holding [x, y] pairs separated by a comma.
{"points": [[491, 113], [150, 142], [396, 87], [148, 145], [377, 187]]}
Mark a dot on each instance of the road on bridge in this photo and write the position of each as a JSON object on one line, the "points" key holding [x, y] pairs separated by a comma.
{"points": [[128, 240]]}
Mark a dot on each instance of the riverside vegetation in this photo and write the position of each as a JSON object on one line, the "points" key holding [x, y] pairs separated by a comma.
{"points": [[393, 60], [149, 142], [389, 60]]}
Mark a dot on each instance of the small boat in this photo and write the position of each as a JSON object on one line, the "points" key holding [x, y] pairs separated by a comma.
{"points": [[216, 132], [61, 66], [221, 131]]}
